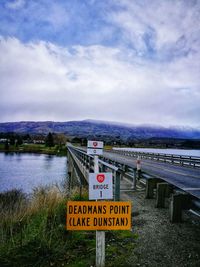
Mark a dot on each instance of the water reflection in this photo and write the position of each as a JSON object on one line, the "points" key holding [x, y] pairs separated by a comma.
{"points": [[48, 160], [26, 171], [18, 156]]}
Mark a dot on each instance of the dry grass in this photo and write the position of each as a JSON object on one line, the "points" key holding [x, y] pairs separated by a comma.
{"points": [[33, 231], [45, 198], [13, 206]]}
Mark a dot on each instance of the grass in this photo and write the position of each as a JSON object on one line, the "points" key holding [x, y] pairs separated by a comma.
{"points": [[36, 148], [33, 233]]}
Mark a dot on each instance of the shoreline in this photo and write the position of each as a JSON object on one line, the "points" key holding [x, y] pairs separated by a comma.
{"points": [[37, 150]]}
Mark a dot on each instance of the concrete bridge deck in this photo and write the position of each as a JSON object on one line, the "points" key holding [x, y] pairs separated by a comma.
{"points": [[185, 178], [162, 180]]}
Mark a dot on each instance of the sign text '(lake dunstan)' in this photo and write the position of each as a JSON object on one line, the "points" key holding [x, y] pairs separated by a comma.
{"points": [[105, 215]]}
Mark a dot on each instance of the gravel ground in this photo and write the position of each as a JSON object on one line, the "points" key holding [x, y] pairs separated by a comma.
{"points": [[159, 242]]}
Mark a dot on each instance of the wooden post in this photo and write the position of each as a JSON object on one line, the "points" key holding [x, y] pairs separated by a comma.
{"points": [[100, 248], [96, 164], [160, 194], [178, 202], [150, 185], [175, 208], [100, 235]]}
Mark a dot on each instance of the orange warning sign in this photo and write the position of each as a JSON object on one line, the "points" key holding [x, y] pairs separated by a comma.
{"points": [[102, 215]]}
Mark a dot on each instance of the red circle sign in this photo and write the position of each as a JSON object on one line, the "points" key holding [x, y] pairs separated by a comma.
{"points": [[100, 178], [95, 144]]}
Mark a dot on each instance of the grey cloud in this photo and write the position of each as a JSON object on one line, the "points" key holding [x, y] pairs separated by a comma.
{"points": [[40, 81], [163, 29], [15, 4]]}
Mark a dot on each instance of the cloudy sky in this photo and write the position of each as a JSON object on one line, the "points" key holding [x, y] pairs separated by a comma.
{"points": [[133, 61]]}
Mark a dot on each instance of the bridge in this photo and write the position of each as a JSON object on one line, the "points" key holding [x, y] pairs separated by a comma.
{"points": [[172, 177]]}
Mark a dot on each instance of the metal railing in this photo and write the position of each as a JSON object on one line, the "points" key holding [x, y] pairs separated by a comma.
{"points": [[119, 169], [85, 164], [187, 161]]}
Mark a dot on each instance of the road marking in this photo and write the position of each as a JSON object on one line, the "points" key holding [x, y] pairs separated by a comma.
{"points": [[165, 169], [191, 188], [175, 172]]}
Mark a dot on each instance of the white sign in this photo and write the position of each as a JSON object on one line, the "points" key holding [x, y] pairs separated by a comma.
{"points": [[95, 148], [95, 144], [100, 186], [91, 151]]}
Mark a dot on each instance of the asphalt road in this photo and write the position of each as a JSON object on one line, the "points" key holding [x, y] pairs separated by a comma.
{"points": [[185, 178]]}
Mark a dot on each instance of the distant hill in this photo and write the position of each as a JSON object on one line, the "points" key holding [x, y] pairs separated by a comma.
{"points": [[87, 128]]}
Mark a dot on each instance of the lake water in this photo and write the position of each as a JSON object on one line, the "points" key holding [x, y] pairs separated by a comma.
{"points": [[184, 152], [27, 171]]}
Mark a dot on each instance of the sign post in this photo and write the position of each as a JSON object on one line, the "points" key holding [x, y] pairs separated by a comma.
{"points": [[96, 148], [99, 215], [100, 235]]}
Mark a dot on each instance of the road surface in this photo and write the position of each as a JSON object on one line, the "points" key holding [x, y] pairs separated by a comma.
{"points": [[187, 179]]}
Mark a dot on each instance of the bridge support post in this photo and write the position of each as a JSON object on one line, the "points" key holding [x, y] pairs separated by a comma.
{"points": [[150, 185], [178, 202], [162, 189], [69, 182], [69, 163], [72, 183]]}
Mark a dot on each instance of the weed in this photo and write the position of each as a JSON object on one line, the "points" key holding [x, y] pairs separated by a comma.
{"points": [[33, 233]]}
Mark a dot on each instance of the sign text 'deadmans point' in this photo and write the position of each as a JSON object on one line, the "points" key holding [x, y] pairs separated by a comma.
{"points": [[104, 215]]}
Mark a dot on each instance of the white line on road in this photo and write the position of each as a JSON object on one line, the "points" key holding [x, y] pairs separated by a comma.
{"points": [[191, 188]]}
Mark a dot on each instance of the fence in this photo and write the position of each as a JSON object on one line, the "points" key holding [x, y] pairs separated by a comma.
{"points": [[187, 161]]}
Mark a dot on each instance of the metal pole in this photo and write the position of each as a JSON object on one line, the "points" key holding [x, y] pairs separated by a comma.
{"points": [[100, 235], [117, 186], [134, 180], [138, 166]]}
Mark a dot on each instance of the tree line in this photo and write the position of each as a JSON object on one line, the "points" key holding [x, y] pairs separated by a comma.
{"points": [[15, 139]]}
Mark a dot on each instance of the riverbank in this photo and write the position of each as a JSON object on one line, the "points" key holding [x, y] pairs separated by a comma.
{"points": [[35, 148], [33, 233]]}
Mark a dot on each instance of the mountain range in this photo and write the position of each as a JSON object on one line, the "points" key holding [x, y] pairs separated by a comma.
{"points": [[92, 128]]}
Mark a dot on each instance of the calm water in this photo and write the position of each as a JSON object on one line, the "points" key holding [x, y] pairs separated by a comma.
{"points": [[185, 152], [26, 171]]}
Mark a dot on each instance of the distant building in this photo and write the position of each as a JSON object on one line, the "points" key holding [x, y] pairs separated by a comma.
{"points": [[4, 140], [41, 142]]}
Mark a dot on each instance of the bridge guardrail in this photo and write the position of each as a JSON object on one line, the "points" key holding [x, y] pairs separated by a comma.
{"points": [[84, 157], [187, 161], [119, 168], [88, 161]]}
